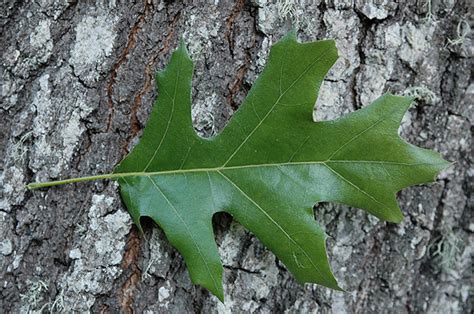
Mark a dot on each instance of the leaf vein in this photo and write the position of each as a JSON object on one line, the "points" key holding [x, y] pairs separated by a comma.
{"points": [[187, 229], [355, 186], [274, 222], [274, 105], [173, 101]]}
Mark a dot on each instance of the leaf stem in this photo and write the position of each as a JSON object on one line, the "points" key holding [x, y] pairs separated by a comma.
{"points": [[38, 185]]}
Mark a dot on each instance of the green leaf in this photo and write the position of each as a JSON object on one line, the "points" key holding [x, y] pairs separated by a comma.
{"points": [[269, 166]]}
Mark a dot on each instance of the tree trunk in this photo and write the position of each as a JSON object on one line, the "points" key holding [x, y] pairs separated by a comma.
{"points": [[78, 85]]}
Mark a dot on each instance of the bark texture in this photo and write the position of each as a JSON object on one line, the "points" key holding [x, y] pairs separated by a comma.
{"points": [[78, 85]]}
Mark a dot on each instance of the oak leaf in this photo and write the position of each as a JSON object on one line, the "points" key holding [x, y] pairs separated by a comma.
{"points": [[270, 164]]}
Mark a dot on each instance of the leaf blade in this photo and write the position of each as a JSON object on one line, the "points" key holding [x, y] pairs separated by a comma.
{"points": [[263, 170]]}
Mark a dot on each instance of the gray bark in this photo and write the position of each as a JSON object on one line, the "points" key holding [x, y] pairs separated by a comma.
{"points": [[77, 89]]}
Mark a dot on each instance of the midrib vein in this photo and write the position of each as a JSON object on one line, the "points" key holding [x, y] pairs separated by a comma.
{"points": [[216, 169], [301, 163]]}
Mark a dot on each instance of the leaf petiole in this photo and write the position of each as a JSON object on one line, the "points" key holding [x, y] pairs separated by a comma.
{"points": [[37, 185]]}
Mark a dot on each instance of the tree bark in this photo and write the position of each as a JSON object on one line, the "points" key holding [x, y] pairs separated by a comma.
{"points": [[78, 85]]}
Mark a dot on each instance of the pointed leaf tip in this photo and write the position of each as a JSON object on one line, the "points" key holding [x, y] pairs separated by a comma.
{"points": [[292, 34], [182, 48], [220, 296], [397, 216], [182, 43]]}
